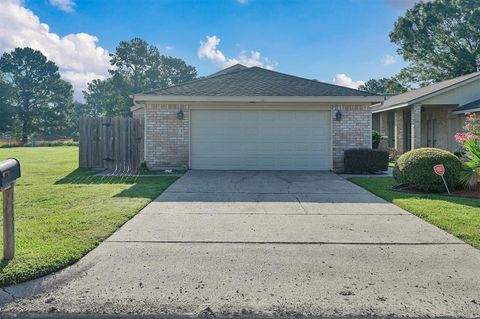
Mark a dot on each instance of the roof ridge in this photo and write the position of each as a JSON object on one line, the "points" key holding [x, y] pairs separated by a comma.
{"points": [[208, 77], [314, 81], [230, 70]]}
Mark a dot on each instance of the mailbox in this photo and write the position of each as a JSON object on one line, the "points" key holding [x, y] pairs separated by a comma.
{"points": [[9, 172]]}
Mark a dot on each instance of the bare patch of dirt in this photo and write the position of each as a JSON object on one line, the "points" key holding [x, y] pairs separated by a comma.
{"points": [[467, 193]]}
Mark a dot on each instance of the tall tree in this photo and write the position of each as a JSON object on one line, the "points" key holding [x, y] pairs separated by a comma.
{"points": [[174, 71], [6, 111], [441, 39], [109, 97], [40, 99], [136, 67], [383, 86], [136, 62]]}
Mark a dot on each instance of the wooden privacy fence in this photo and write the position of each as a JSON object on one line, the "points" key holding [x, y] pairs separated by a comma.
{"points": [[113, 143]]}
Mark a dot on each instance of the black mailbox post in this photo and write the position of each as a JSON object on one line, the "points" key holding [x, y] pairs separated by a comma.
{"points": [[9, 173]]}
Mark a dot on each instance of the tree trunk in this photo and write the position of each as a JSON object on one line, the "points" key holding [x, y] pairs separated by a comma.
{"points": [[25, 131]]}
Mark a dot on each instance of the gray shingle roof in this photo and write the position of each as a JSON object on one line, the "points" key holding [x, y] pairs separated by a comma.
{"points": [[475, 105], [236, 67], [414, 95], [242, 81]]}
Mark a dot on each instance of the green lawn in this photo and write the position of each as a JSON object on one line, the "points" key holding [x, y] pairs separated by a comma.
{"points": [[456, 215], [62, 213]]}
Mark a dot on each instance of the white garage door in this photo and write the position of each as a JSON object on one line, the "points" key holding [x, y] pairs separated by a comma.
{"points": [[260, 140]]}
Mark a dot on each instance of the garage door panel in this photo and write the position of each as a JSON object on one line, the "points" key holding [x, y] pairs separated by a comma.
{"points": [[264, 140]]}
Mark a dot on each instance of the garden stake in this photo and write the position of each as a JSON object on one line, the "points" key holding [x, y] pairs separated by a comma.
{"points": [[440, 171]]}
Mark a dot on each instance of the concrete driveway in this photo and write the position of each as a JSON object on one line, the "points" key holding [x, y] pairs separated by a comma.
{"points": [[266, 243]]}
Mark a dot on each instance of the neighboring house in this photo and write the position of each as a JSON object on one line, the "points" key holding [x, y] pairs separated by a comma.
{"points": [[253, 119], [429, 116]]}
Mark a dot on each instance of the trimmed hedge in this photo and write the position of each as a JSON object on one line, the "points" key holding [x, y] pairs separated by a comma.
{"points": [[38, 144], [365, 160], [415, 168]]}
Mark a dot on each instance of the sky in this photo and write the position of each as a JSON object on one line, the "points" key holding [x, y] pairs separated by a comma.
{"points": [[344, 42]]}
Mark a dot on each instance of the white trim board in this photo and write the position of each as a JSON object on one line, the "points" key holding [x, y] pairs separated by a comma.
{"points": [[142, 98]]}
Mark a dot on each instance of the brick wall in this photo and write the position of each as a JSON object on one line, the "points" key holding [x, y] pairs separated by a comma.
{"points": [[167, 140], [167, 137], [353, 131]]}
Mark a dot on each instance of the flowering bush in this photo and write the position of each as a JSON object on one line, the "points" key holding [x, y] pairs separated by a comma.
{"points": [[471, 144], [472, 123], [462, 137], [472, 147]]}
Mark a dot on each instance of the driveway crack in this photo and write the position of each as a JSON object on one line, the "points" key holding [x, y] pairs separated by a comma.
{"points": [[242, 179], [289, 182], [299, 202]]}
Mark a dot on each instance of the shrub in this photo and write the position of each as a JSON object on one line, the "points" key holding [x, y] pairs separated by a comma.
{"points": [[38, 143], [364, 160], [377, 137], [472, 123], [471, 177], [415, 168]]}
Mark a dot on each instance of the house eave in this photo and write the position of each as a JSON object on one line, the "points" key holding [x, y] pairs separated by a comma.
{"points": [[466, 111], [426, 96], [136, 107], [142, 98], [393, 107]]}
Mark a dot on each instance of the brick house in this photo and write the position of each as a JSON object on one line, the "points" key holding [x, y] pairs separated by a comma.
{"points": [[429, 116], [254, 119]]}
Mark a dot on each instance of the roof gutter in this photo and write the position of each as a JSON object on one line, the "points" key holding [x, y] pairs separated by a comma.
{"points": [[393, 107], [142, 98], [466, 111]]}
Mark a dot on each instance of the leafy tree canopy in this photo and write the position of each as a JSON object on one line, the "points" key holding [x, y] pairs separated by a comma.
{"points": [[109, 97], [6, 112], [136, 67], [39, 100], [441, 39], [383, 86]]}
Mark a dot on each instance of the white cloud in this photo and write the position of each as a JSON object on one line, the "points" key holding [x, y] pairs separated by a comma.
{"points": [[403, 4], [208, 50], [388, 60], [242, 1], [344, 80], [64, 5], [78, 55], [165, 48]]}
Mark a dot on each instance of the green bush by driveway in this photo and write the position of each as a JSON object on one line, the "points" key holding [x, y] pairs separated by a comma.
{"points": [[415, 168], [458, 216], [62, 213]]}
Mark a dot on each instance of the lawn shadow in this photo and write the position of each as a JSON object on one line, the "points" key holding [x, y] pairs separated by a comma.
{"points": [[86, 177], [3, 263], [141, 186]]}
